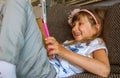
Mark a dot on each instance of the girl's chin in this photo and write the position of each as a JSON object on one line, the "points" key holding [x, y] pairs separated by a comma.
{"points": [[77, 39]]}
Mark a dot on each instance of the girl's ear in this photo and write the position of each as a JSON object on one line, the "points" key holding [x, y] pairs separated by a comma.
{"points": [[98, 27]]}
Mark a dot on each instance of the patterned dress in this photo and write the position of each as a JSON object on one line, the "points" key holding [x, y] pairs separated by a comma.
{"points": [[64, 68]]}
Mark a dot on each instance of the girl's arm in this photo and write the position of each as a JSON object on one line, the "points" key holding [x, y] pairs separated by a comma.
{"points": [[99, 64]]}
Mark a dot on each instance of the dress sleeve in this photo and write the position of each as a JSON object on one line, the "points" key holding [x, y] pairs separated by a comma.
{"points": [[96, 45]]}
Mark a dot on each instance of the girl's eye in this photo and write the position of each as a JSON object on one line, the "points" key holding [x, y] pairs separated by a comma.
{"points": [[80, 23]]}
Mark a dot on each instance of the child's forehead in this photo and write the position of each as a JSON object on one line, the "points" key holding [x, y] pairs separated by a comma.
{"points": [[82, 17]]}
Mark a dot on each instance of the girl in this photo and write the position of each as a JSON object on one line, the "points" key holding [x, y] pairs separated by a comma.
{"points": [[87, 52]]}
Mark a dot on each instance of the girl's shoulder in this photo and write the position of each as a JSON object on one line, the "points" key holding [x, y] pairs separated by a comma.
{"points": [[97, 41]]}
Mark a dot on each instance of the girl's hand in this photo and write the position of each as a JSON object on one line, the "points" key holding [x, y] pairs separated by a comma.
{"points": [[53, 47]]}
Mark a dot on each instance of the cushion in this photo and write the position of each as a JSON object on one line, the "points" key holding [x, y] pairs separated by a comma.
{"points": [[89, 75], [111, 33], [57, 22]]}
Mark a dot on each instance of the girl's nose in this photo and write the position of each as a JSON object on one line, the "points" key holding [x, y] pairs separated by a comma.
{"points": [[75, 28]]}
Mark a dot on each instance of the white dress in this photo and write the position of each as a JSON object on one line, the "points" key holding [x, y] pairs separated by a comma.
{"points": [[65, 69]]}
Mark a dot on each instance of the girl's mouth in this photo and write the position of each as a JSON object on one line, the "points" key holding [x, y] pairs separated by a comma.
{"points": [[77, 33]]}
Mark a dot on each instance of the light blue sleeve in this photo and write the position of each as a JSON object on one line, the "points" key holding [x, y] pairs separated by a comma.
{"points": [[12, 30]]}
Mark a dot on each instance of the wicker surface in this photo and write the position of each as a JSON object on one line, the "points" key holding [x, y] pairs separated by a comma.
{"points": [[112, 33]]}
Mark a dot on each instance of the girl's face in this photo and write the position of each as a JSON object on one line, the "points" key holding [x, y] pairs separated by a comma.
{"points": [[83, 30]]}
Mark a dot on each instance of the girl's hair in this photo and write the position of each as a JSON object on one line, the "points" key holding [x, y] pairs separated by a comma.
{"points": [[98, 18]]}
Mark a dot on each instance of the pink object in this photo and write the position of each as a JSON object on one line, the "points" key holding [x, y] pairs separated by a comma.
{"points": [[78, 10], [46, 29], [85, 10], [46, 33]]}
